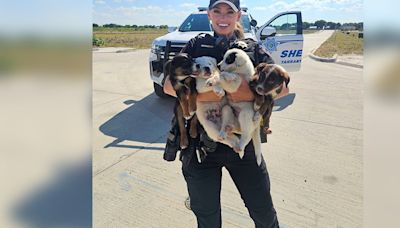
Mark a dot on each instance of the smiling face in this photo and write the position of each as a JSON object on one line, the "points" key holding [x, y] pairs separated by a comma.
{"points": [[223, 19]]}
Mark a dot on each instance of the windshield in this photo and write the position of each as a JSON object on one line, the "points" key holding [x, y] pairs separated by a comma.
{"points": [[200, 22], [195, 22]]}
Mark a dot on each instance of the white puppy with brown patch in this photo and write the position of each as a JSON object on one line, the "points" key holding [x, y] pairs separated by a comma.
{"points": [[237, 117], [209, 113]]}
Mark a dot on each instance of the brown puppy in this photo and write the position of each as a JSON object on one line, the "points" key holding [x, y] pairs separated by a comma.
{"points": [[179, 70], [266, 84]]}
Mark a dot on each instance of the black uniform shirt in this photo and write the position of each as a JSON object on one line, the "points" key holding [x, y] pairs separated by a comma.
{"points": [[215, 46]]}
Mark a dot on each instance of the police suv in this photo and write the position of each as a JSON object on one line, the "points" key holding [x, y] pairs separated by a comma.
{"points": [[282, 37]]}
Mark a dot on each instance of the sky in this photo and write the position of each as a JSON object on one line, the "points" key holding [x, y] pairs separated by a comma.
{"points": [[173, 12]]}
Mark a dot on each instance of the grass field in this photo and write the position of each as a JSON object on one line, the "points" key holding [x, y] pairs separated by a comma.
{"points": [[127, 37], [341, 43]]}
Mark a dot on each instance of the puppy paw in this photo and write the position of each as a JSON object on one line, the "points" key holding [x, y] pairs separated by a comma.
{"points": [[256, 116], [219, 91], [241, 154], [256, 106], [267, 130], [222, 136], [237, 149], [210, 82], [229, 77], [184, 143], [228, 129], [188, 117]]}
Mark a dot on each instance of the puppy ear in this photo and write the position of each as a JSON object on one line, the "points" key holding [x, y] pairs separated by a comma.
{"points": [[260, 67], [287, 79], [283, 73], [255, 76], [167, 67]]}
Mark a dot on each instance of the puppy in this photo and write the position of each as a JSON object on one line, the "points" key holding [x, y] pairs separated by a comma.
{"points": [[207, 75], [238, 117], [209, 113], [266, 84], [179, 70], [235, 67]]}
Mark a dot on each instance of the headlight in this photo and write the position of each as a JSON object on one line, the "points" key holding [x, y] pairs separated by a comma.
{"points": [[155, 48]]}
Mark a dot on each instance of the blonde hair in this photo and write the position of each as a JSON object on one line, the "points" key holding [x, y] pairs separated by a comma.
{"points": [[239, 32]]}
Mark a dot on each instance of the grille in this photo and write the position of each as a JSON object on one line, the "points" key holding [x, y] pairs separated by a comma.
{"points": [[174, 48]]}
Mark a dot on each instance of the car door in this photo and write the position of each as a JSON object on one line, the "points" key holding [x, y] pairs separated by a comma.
{"points": [[282, 37]]}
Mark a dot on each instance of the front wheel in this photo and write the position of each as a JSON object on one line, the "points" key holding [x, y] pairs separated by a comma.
{"points": [[158, 90]]}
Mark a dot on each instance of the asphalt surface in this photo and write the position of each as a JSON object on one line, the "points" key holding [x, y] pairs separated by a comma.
{"points": [[314, 156]]}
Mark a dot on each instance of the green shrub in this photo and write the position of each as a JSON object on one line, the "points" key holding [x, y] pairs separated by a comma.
{"points": [[98, 42]]}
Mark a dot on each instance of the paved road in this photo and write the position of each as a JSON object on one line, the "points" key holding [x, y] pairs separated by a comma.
{"points": [[314, 156]]}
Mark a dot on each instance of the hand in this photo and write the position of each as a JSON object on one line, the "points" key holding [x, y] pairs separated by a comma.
{"points": [[243, 93], [208, 96]]}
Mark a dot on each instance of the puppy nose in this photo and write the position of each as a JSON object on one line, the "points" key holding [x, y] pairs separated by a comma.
{"points": [[198, 66], [207, 69]]}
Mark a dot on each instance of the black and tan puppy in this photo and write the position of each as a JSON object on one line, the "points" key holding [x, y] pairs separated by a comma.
{"points": [[179, 70], [266, 84]]}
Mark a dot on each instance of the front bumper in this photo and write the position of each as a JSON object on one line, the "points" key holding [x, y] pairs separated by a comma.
{"points": [[156, 68]]}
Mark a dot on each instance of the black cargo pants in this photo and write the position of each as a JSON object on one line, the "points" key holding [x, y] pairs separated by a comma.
{"points": [[204, 186]]}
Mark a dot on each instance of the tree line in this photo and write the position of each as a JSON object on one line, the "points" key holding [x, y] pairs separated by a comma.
{"points": [[319, 24], [131, 26], [322, 24]]}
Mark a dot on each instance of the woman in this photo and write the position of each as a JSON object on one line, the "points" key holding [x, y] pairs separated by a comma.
{"points": [[204, 179]]}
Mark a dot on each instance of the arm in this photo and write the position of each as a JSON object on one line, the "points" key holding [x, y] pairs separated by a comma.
{"points": [[243, 93], [168, 89]]}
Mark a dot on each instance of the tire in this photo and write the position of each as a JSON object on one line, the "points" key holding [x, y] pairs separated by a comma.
{"points": [[159, 91]]}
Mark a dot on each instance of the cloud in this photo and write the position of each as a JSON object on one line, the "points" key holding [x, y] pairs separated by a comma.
{"points": [[148, 10], [153, 15], [355, 8], [100, 2], [120, 1], [308, 5], [189, 5]]}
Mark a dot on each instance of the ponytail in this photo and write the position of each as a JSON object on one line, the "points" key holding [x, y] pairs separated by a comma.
{"points": [[239, 32]]}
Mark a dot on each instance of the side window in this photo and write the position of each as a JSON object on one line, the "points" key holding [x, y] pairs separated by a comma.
{"points": [[285, 24]]}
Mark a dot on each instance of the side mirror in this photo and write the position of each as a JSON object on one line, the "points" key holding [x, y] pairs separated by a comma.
{"points": [[171, 29], [268, 31], [253, 23]]}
